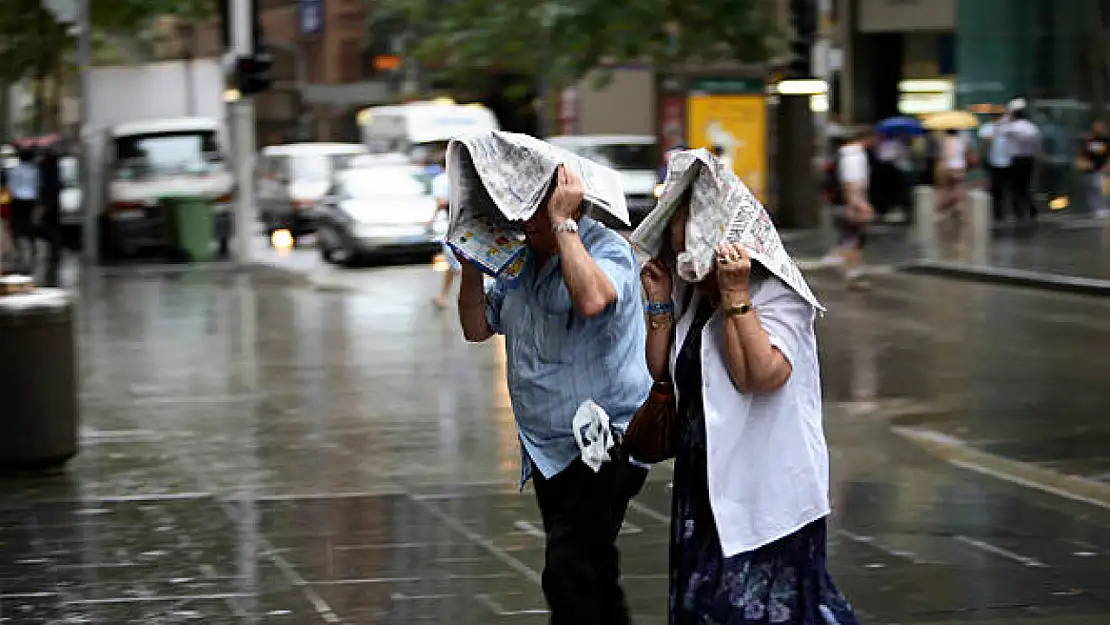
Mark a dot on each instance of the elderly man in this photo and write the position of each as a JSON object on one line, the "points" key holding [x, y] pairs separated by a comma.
{"points": [[574, 331]]}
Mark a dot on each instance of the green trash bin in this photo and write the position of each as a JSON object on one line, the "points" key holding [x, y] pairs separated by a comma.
{"points": [[193, 227]]}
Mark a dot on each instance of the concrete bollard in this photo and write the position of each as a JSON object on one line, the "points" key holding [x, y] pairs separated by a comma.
{"points": [[981, 220], [925, 223], [38, 379]]}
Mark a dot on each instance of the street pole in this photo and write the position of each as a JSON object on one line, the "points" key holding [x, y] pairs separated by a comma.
{"points": [[90, 199], [242, 127]]}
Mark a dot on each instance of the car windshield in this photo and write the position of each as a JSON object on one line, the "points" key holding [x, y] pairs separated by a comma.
{"points": [[167, 154], [317, 167], [363, 184], [620, 156]]}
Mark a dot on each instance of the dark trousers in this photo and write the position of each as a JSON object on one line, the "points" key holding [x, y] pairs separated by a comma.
{"points": [[1021, 187], [51, 229], [23, 233], [582, 514], [1000, 190]]}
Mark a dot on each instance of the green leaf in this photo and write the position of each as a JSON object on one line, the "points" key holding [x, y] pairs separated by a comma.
{"points": [[563, 40]]}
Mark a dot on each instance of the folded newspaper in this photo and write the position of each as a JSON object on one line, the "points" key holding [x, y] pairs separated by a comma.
{"points": [[721, 208], [498, 181]]}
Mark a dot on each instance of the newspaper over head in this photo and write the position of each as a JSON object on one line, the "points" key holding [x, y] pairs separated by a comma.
{"points": [[498, 181], [721, 208]]}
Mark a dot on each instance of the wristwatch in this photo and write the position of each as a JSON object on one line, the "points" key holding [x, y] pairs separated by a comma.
{"points": [[567, 225]]}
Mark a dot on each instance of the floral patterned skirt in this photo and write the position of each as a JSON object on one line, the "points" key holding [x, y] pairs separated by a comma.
{"points": [[785, 582]]}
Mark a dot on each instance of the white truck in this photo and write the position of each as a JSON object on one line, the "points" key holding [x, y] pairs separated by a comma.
{"points": [[421, 129], [156, 131]]}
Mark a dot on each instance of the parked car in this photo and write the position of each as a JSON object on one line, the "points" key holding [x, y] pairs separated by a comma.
{"points": [[292, 179], [379, 210], [636, 157]]}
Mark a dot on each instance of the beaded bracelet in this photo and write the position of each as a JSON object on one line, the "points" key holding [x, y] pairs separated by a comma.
{"points": [[659, 308]]}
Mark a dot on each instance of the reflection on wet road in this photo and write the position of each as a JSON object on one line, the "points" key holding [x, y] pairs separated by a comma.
{"points": [[265, 452]]}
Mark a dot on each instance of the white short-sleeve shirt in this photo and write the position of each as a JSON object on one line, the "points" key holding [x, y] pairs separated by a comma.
{"points": [[767, 456]]}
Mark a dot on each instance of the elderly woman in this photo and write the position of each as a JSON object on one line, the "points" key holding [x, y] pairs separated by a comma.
{"points": [[751, 469]]}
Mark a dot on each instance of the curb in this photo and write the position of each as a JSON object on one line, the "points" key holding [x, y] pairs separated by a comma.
{"points": [[1011, 277], [958, 453]]}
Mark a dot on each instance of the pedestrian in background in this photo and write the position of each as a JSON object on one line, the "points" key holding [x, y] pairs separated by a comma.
{"points": [[441, 191], [50, 193], [852, 209], [998, 162], [951, 191], [1024, 140], [23, 185], [1094, 162], [574, 331], [751, 549]]}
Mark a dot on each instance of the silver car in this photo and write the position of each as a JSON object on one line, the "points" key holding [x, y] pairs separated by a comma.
{"points": [[377, 211]]}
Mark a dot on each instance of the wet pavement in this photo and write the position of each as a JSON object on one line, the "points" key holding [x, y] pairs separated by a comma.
{"points": [[1060, 247], [259, 450]]}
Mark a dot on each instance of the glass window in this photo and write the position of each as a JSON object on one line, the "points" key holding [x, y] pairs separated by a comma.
{"points": [[620, 156], [169, 153], [384, 182]]}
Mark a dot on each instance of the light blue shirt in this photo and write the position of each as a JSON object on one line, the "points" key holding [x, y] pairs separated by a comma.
{"points": [[999, 155], [556, 359], [23, 181]]}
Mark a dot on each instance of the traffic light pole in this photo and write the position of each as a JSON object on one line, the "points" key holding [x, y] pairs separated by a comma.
{"points": [[243, 141]]}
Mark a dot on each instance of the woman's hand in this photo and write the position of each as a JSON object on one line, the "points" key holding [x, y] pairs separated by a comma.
{"points": [[656, 278], [734, 269]]}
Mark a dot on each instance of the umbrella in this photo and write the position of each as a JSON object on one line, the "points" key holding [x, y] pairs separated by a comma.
{"points": [[892, 126], [951, 120]]}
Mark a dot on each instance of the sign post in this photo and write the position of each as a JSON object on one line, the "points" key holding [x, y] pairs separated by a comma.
{"points": [[242, 129]]}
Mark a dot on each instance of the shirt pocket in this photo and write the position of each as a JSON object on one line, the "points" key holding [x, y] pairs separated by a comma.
{"points": [[554, 335]]}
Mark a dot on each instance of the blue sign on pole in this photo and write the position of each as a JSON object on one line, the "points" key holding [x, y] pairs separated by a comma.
{"points": [[310, 16]]}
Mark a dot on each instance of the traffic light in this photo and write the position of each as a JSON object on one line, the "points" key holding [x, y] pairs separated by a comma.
{"points": [[252, 73], [803, 17]]}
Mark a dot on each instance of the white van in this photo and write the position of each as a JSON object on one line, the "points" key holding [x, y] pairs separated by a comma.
{"points": [[154, 159], [420, 129], [292, 179], [636, 157]]}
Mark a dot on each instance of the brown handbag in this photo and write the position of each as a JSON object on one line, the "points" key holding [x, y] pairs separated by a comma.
{"points": [[650, 435]]}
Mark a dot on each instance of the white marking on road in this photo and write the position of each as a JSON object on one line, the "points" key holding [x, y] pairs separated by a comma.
{"points": [[500, 610], [460, 528], [400, 596], [628, 529], [529, 528], [650, 513], [999, 551], [1013, 479], [146, 497], [173, 598], [374, 580], [386, 492], [871, 542], [952, 445]]}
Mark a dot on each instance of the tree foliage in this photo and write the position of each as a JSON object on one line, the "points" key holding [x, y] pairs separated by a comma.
{"points": [[563, 40], [33, 43]]}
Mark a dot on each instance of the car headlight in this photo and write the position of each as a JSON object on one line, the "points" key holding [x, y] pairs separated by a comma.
{"points": [[658, 190]]}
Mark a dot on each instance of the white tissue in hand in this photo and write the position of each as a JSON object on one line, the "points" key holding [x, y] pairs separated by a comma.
{"points": [[591, 430]]}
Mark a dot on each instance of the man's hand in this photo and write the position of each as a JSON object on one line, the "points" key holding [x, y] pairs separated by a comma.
{"points": [[566, 198]]}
